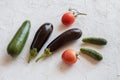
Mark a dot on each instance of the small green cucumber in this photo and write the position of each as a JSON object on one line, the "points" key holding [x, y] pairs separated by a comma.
{"points": [[95, 40], [90, 52], [18, 41]]}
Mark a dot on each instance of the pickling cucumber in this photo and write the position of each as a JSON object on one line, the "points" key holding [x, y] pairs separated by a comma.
{"points": [[90, 52], [18, 41], [95, 40]]}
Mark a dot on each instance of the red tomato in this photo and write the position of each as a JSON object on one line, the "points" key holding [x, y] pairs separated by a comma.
{"points": [[68, 18], [69, 56]]}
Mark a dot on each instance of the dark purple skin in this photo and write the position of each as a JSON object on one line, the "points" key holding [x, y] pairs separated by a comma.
{"points": [[64, 38], [39, 40], [41, 36], [67, 36]]}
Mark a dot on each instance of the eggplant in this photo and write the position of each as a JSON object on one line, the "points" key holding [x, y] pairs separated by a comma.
{"points": [[64, 38], [39, 40]]}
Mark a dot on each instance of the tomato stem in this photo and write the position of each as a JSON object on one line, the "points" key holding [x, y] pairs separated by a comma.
{"points": [[75, 12], [77, 55], [80, 14]]}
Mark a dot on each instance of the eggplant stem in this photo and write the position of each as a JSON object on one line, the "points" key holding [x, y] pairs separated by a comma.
{"points": [[33, 54], [45, 54]]}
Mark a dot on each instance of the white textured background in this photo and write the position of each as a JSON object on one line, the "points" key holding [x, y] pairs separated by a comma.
{"points": [[102, 20]]}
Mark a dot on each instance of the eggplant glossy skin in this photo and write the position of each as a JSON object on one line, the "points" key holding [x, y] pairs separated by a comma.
{"points": [[65, 37], [41, 36], [39, 40]]}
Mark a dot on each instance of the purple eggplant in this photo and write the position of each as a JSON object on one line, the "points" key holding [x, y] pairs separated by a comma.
{"points": [[64, 38], [39, 40]]}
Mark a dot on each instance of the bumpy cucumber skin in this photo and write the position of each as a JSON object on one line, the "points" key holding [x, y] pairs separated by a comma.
{"points": [[90, 52], [18, 41], [94, 40]]}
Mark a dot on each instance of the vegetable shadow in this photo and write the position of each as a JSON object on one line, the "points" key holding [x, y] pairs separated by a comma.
{"points": [[91, 45], [7, 60], [88, 58], [62, 27], [63, 67]]}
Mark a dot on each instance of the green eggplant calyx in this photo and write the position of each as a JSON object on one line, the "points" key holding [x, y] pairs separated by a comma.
{"points": [[33, 54], [45, 54]]}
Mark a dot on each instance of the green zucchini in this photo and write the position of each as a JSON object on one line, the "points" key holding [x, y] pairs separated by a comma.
{"points": [[92, 53], [95, 40], [18, 41]]}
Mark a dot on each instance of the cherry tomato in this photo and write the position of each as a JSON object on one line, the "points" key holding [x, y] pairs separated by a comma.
{"points": [[69, 56], [68, 18]]}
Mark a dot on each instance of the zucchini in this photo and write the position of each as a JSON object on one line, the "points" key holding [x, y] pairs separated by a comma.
{"points": [[95, 40], [18, 41], [90, 52]]}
